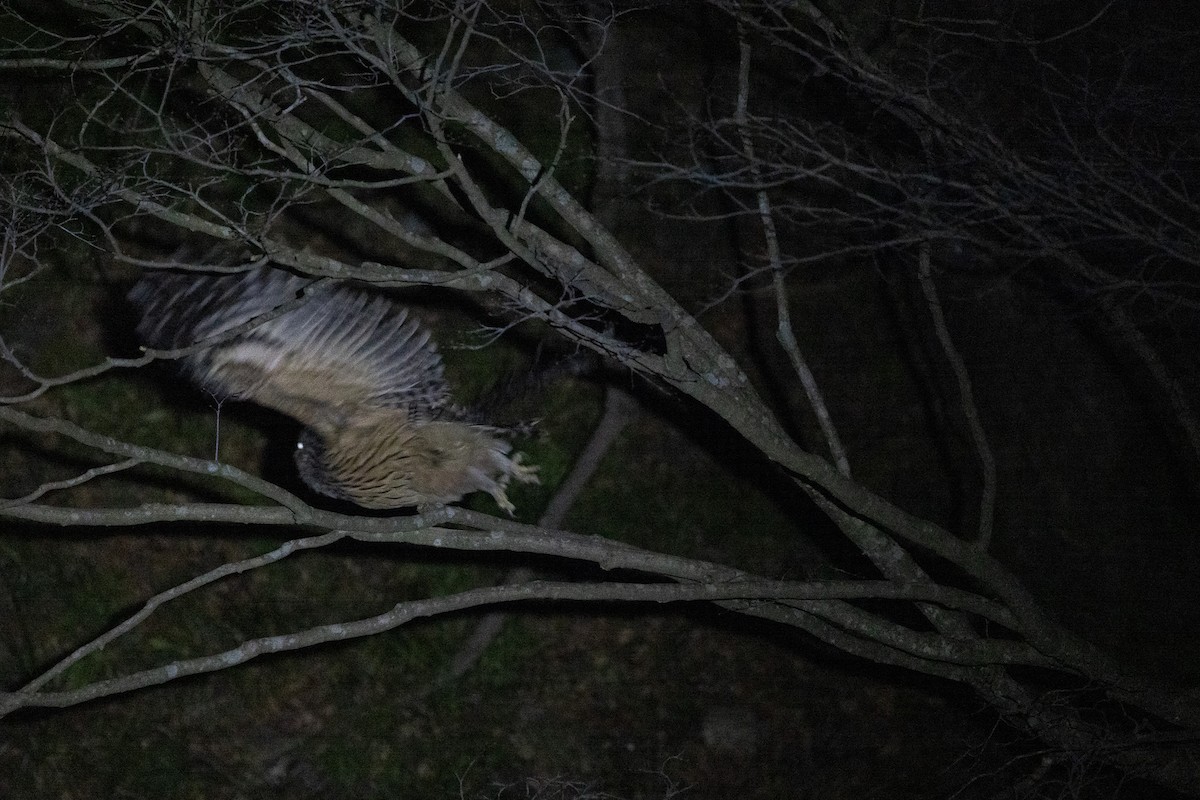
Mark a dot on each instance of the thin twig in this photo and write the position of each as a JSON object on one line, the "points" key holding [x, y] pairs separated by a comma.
{"points": [[966, 400], [84, 477]]}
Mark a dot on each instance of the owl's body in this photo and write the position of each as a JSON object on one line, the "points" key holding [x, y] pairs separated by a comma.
{"points": [[384, 460], [366, 382]]}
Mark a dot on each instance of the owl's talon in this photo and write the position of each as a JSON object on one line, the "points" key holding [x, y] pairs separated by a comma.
{"points": [[502, 500], [523, 473]]}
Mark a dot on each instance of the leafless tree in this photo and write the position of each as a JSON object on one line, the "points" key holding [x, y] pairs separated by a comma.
{"points": [[206, 128]]}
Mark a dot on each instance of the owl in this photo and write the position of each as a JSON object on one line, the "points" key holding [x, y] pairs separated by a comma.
{"points": [[366, 381]]}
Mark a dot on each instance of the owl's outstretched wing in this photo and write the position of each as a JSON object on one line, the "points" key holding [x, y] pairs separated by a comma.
{"points": [[337, 351]]}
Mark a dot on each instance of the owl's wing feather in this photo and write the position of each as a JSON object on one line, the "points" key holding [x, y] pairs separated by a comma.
{"points": [[340, 349]]}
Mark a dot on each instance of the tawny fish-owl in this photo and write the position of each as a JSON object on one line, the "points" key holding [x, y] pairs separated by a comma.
{"points": [[365, 380]]}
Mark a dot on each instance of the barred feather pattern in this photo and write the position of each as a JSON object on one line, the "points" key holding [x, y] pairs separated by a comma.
{"points": [[366, 381]]}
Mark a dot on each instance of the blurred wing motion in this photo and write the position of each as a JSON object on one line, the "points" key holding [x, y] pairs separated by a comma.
{"points": [[366, 381], [338, 350]]}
